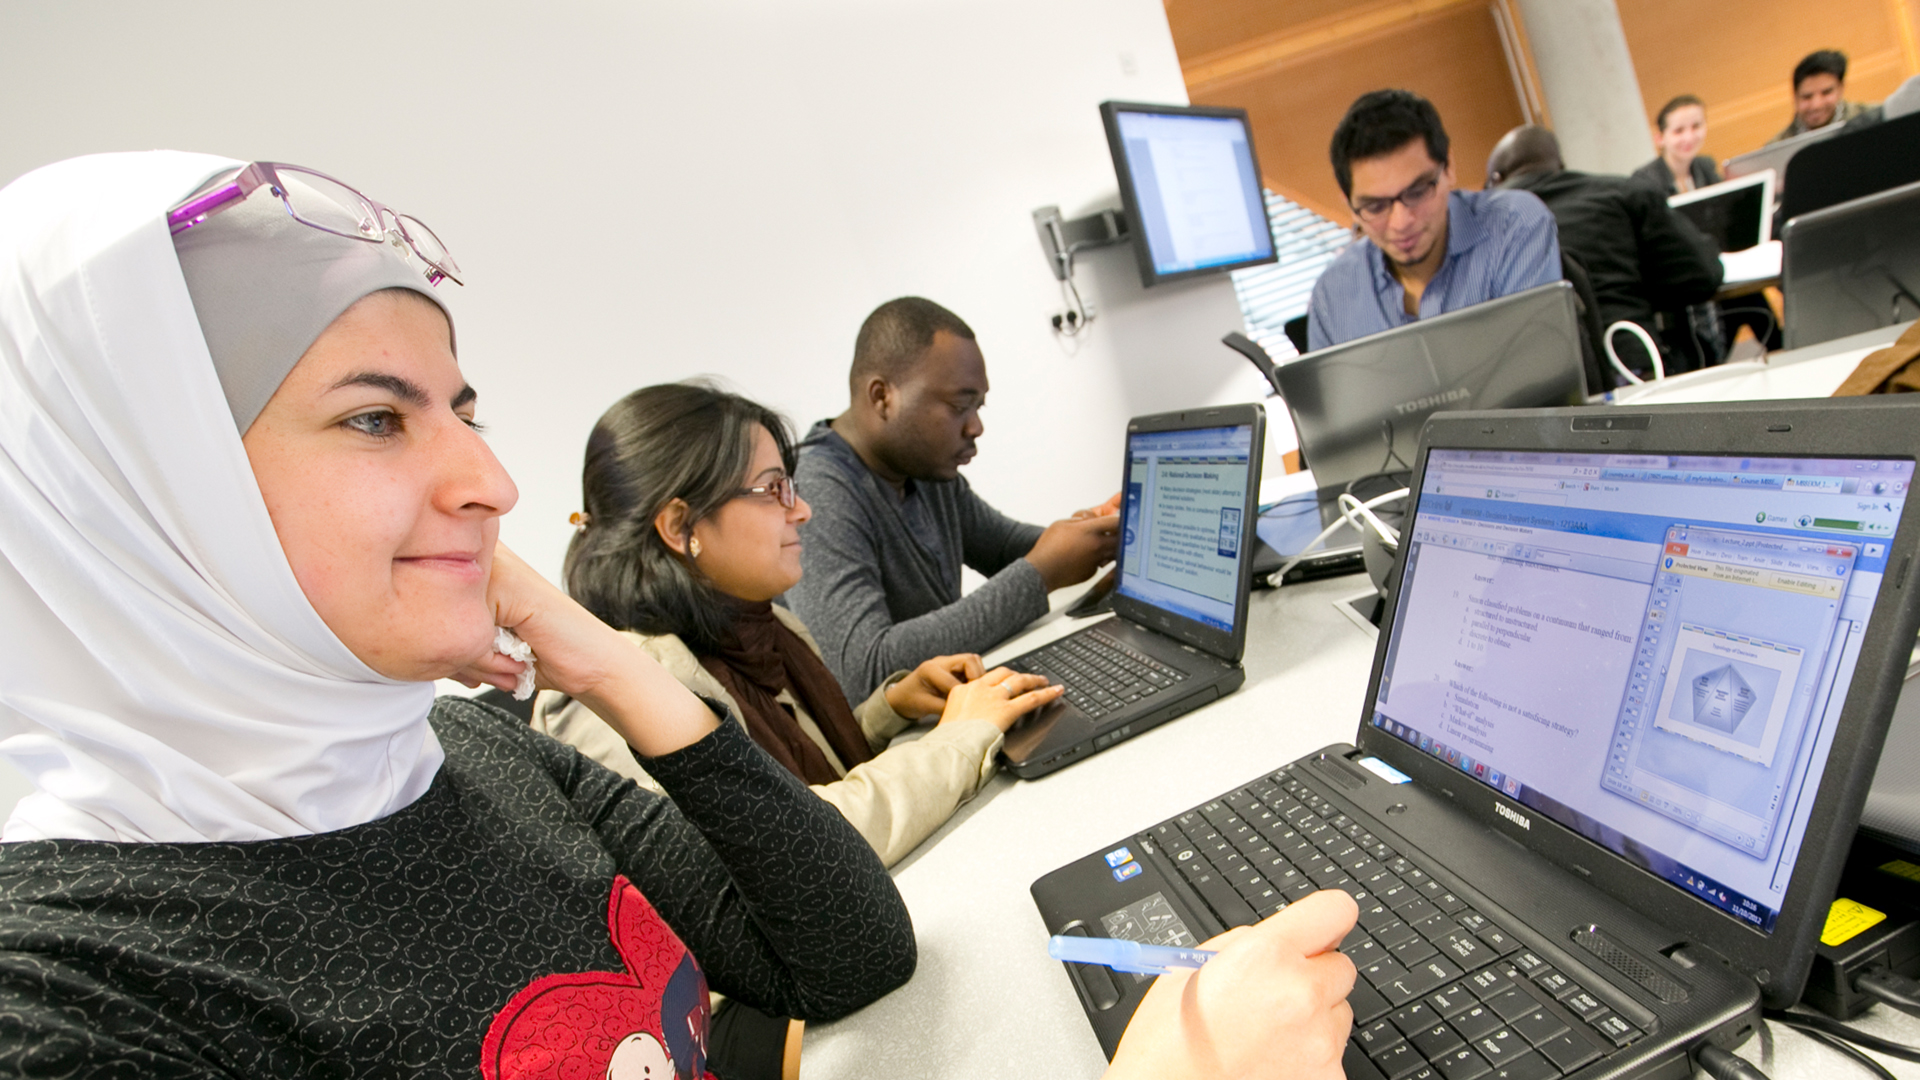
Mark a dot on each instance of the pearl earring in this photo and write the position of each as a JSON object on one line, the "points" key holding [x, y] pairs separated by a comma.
{"points": [[693, 546]]}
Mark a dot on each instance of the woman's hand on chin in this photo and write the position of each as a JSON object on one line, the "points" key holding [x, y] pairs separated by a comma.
{"points": [[585, 658]]}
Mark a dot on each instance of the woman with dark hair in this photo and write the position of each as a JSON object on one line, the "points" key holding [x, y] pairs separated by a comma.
{"points": [[691, 531], [1680, 132]]}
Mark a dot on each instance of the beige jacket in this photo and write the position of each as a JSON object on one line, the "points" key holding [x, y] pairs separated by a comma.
{"points": [[895, 800]]}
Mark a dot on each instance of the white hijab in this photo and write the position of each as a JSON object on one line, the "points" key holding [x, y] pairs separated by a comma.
{"points": [[162, 677]]}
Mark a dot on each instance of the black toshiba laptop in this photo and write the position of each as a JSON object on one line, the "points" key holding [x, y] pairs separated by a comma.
{"points": [[1624, 712], [1190, 490]]}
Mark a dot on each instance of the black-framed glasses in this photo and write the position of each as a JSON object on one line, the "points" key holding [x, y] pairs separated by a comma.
{"points": [[782, 489], [323, 203], [1411, 196]]}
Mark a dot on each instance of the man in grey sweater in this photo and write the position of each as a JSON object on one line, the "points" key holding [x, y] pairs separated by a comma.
{"points": [[893, 519]]}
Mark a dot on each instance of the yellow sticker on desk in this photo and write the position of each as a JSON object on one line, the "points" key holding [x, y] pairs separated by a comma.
{"points": [[1847, 918]]}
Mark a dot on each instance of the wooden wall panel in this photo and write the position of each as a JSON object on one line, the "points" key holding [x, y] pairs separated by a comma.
{"points": [[1738, 56], [1297, 85]]}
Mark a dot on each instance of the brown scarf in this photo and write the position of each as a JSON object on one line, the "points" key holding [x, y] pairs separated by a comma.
{"points": [[760, 657]]}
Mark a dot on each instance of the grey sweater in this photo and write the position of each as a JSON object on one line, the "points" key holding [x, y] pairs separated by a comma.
{"points": [[881, 582]]}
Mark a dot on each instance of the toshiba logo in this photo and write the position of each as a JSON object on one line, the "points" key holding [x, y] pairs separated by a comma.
{"points": [[1432, 400], [1517, 819]]}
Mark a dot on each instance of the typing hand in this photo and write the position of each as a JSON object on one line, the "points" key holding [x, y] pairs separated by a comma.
{"points": [[1272, 1004], [999, 696], [924, 691]]}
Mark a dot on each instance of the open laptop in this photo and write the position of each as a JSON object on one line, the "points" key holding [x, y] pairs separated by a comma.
{"points": [[1358, 406], [1737, 214], [1190, 483], [1622, 718]]}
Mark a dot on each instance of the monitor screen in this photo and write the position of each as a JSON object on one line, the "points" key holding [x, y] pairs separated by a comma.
{"points": [[1191, 188], [1652, 651], [1181, 528]]}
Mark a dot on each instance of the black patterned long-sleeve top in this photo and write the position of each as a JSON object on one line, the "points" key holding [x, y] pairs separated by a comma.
{"points": [[532, 915]]}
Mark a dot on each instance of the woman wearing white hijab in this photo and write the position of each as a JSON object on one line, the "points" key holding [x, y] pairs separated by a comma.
{"points": [[244, 519]]}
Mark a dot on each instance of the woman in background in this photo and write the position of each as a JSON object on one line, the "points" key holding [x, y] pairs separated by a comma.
{"points": [[1681, 132]]}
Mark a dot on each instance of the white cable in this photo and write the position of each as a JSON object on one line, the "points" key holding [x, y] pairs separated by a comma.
{"points": [[1387, 533], [1634, 328]]}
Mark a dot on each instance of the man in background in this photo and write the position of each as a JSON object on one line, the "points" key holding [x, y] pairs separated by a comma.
{"points": [[1430, 248], [1641, 255], [1819, 95], [893, 519]]}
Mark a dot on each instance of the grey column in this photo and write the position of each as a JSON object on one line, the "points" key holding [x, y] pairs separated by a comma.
{"points": [[1580, 53]]}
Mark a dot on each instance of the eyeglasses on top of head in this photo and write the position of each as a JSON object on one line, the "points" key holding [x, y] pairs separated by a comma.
{"points": [[323, 203], [782, 488]]}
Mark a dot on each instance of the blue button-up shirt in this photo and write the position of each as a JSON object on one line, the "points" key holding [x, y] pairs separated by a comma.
{"points": [[1498, 243]]}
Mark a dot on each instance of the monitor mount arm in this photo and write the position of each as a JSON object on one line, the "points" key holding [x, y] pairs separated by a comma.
{"points": [[1061, 240], [1255, 355]]}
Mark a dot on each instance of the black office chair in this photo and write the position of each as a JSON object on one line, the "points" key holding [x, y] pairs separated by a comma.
{"points": [[1851, 165], [1296, 331], [1592, 353]]}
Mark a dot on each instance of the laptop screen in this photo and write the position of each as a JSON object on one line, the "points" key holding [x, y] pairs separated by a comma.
{"points": [[1650, 650], [1181, 533]]}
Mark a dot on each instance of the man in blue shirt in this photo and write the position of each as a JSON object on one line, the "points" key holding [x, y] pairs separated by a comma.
{"points": [[1431, 249]]}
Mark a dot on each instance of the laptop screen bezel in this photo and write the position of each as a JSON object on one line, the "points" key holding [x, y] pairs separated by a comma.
{"points": [[1863, 428], [1227, 644]]}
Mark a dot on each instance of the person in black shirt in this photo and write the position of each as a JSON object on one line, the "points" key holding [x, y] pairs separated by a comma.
{"points": [[1641, 256]]}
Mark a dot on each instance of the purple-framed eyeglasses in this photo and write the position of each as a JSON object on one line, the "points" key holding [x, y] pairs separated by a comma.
{"points": [[782, 488], [325, 204]]}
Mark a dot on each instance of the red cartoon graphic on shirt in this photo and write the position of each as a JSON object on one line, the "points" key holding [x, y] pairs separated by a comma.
{"points": [[648, 1022]]}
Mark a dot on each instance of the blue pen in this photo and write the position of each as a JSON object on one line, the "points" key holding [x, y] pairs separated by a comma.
{"points": [[1122, 955]]}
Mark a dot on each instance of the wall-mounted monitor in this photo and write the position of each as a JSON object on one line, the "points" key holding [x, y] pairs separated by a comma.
{"points": [[1191, 188]]}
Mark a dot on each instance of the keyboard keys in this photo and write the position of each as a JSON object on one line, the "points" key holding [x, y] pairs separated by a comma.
{"points": [[1399, 1061], [1366, 1003], [1500, 1047], [1568, 1052], [1445, 992], [1377, 1036], [1437, 1041], [1476, 1022], [1462, 1064], [1617, 1028], [1538, 1026], [1527, 1066], [1452, 1000]]}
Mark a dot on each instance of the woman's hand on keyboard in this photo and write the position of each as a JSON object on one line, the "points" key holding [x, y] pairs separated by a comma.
{"points": [[1001, 697], [1272, 1004]]}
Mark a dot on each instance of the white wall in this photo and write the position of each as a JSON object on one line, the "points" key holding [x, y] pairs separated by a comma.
{"points": [[644, 191]]}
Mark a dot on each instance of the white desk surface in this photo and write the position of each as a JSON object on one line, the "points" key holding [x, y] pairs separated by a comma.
{"points": [[1814, 371]]}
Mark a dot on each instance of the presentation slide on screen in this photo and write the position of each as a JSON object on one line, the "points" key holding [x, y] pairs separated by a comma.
{"points": [[1729, 691], [1196, 526]]}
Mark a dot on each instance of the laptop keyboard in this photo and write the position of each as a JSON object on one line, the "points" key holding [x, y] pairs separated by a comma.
{"points": [[1100, 674], [1444, 992]]}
